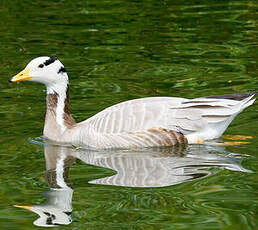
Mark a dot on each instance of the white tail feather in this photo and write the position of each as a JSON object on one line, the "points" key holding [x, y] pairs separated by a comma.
{"points": [[217, 123]]}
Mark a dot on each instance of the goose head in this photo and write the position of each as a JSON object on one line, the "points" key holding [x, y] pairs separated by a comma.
{"points": [[47, 70]]}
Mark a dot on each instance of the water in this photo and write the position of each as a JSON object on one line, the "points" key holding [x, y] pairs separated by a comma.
{"points": [[115, 51]]}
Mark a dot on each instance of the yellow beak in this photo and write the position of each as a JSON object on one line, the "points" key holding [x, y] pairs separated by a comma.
{"points": [[23, 206], [22, 76]]}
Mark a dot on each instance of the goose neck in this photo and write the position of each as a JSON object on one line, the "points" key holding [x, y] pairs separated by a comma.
{"points": [[58, 106]]}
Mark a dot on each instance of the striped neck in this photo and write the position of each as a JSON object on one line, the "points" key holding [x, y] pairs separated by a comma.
{"points": [[58, 104]]}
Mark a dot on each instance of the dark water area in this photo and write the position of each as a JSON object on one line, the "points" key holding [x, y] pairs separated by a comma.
{"points": [[116, 51]]}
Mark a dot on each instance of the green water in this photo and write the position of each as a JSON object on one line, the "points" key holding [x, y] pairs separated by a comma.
{"points": [[115, 51]]}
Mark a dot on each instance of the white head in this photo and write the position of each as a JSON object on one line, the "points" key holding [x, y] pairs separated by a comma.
{"points": [[46, 70]]}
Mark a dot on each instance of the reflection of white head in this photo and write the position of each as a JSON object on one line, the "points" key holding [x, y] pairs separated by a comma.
{"points": [[56, 210]]}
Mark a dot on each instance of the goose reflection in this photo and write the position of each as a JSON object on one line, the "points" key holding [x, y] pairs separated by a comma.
{"points": [[57, 208], [159, 167], [134, 168]]}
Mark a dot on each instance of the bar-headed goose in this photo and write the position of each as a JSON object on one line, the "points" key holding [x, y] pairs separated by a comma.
{"points": [[145, 122]]}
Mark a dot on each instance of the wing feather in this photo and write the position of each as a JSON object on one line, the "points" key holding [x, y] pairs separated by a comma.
{"points": [[178, 114], [134, 115]]}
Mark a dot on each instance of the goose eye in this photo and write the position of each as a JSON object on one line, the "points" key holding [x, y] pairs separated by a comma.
{"points": [[41, 66]]}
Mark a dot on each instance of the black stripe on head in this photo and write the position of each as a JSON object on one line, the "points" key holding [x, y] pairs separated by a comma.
{"points": [[62, 70], [50, 61]]}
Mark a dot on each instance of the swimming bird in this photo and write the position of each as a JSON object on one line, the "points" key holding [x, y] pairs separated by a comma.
{"points": [[144, 122]]}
